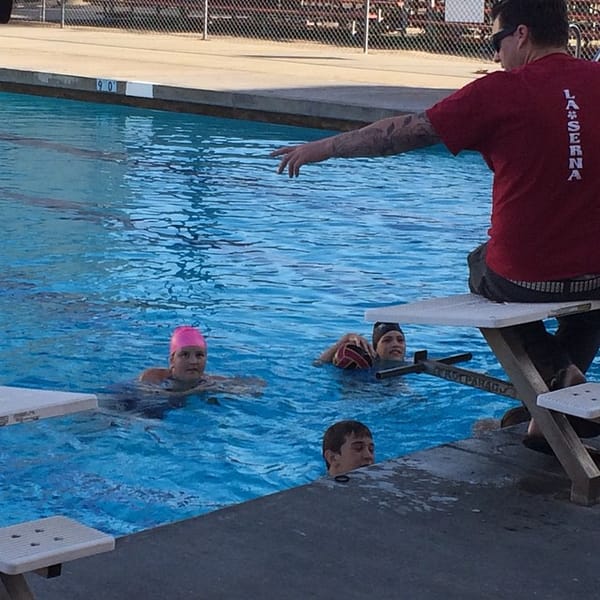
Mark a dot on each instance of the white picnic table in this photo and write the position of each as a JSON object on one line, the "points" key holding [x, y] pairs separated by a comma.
{"points": [[496, 321]]}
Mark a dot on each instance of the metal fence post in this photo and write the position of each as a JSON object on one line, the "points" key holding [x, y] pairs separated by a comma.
{"points": [[366, 40]]}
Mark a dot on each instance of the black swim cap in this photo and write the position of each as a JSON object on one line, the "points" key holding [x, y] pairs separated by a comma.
{"points": [[380, 329]]}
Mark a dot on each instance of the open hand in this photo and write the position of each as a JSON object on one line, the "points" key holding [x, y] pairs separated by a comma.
{"points": [[293, 157]]}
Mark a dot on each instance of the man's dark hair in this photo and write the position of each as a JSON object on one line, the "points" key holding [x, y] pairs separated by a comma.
{"points": [[335, 436], [547, 20]]}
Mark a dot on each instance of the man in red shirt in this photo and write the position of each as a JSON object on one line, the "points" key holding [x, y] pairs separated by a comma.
{"points": [[537, 125]]}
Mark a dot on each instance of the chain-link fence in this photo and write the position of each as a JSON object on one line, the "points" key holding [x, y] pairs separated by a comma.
{"points": [[459, 27]]}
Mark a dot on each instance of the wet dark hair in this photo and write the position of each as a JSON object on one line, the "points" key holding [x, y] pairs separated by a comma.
{"points": [[336, 435], [547, 20]]}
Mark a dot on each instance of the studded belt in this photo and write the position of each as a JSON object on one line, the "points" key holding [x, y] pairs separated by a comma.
{"points": [[566, 286]]}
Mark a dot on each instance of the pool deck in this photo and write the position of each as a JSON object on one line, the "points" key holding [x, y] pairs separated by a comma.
{"points": [[478, 519], [286, 82]]}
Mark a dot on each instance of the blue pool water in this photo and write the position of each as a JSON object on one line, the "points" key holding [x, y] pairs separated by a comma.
{"points": [[120, 224]]}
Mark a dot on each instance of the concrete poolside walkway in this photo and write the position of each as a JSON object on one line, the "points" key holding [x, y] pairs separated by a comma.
{"points": [[481, 519], [287, 82]]}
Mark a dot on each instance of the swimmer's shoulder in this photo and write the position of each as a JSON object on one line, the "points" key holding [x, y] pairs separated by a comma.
{"points": [[154, 375]]}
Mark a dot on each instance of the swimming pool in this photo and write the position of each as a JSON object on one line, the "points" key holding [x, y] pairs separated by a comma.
{"points": [[122, 223]]}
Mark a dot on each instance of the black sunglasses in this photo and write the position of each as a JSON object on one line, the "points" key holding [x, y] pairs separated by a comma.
{"points": [[497, 38]]}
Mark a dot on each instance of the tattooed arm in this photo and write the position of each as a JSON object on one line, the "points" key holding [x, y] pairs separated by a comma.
{"points": [[387, 136]]}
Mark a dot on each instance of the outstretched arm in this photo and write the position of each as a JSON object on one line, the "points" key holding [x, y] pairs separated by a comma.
{"points": [[387, 136]]}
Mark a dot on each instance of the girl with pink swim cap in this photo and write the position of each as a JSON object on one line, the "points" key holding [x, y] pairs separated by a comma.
{"points": [[186, 335], [187, 361]]}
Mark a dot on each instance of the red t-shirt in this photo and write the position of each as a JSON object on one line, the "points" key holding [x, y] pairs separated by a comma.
{"points": [[538, 129]]}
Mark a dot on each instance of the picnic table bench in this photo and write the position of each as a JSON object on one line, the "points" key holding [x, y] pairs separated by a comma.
{"points": [[496, 322]]}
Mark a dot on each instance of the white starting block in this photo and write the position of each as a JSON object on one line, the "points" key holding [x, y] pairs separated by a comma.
{"points": [[471, 310], [36, 544], [581, 400], [45, 544], [42, 546], [19, 405]]}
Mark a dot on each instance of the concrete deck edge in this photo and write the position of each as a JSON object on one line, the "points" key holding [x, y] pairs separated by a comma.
{"points": [[257, 106]]}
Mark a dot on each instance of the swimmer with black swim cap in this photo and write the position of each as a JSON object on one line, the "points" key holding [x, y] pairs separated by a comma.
{"points": [[389, 341], [353, 351]]}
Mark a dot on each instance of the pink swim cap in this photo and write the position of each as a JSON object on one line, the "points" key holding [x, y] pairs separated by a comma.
{"points": [[186, 336]]}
